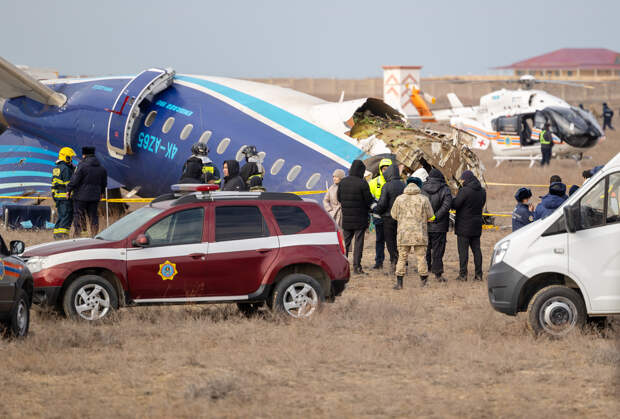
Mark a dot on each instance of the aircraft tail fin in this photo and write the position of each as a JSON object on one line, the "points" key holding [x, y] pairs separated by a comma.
{"points": [[15, 82], [419, 100], [454, 101]]}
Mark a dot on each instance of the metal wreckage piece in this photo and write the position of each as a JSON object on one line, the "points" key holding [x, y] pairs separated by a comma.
{"points": [[418, 147]]}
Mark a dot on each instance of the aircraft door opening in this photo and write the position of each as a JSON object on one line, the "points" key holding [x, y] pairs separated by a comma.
{"points": [[127, 108]]}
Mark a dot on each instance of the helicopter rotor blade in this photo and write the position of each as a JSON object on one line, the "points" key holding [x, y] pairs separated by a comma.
{"points": [[565, 83]]}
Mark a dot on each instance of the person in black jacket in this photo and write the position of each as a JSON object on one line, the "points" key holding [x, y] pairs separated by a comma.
{"points": [[469, 204], [393, 187], [355, 200], [199, 168], [232, 181], [86, 187], [438, 192], [249, 172]]}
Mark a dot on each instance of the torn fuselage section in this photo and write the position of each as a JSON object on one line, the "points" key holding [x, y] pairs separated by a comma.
{"points": [[381, 129]]}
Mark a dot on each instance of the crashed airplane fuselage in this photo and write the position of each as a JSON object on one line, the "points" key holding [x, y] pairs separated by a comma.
{"points": [[143, 128]]}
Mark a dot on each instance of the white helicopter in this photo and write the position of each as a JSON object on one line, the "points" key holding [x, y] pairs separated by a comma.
{"points": [[510, 121]]}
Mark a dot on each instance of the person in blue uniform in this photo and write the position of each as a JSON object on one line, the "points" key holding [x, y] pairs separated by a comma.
{"points": [[523, 213], [61, 175], [607, 115]]}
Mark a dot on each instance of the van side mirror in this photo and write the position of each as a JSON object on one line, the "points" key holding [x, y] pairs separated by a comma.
{"points": [[140, 241], [572, 217], [17, 247]]}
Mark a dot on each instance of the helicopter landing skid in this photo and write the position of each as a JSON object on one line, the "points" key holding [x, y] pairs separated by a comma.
{"points": [[532, 159]]}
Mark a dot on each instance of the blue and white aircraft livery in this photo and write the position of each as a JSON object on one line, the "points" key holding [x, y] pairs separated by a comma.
{"points": [[143, 128]]}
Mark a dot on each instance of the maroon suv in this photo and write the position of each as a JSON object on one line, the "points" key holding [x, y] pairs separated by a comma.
{"points": [[248, 248]]}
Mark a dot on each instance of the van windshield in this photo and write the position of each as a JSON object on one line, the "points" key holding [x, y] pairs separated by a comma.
{"points": [[128, 224]]}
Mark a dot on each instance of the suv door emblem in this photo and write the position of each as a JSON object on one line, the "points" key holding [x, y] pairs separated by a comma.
{"points": [[168, 270]]}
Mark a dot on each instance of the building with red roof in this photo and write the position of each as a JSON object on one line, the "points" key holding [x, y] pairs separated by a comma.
{"points": [[570, 63]]}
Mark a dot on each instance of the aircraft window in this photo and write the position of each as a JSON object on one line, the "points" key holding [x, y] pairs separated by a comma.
{"points": [[150, 118], [205, 137], [313, 180], [277, 166], [293, 173], [187, 129], [239, 155], [221, 148], [168, 125]]}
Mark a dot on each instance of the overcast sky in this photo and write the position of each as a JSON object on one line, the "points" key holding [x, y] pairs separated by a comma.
{"points": [[317, 38]]}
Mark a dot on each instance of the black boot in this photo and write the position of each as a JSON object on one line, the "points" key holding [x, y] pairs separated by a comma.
{"points": [[399, 283], [424, 279], [440, 278], [378, 266]]}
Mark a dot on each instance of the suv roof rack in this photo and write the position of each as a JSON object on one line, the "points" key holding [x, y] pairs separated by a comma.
{"points": [[165, 197], [224, 196]]}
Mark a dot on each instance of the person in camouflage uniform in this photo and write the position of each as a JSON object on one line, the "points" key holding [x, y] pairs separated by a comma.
{"points": [[412, 211]]}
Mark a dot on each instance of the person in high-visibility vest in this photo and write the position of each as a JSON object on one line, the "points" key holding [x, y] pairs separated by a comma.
{"points": [[546, 144], [61, 175], [376, 184]]}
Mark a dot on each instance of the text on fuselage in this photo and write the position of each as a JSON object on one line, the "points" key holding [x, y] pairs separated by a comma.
{"points": [[154, 144]]}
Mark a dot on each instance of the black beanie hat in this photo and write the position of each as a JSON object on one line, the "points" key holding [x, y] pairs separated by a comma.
{"points": [[88, 151]]}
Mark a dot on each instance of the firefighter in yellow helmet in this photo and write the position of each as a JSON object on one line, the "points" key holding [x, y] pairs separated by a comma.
{"points": [[61, 174], [376, 185]]}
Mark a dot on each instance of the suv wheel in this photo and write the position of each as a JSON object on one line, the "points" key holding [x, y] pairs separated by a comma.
{"points": [[90, 297], [298, 296], [556, 310], [18, 323]]}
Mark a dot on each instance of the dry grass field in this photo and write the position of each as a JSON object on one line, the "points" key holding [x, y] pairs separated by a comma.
{"points": [[439, 351]]}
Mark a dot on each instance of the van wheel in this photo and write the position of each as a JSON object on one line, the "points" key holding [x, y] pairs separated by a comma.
{"points": [[90, 297], [556, 310], [298, 296], [249, 309], [19, 321]]}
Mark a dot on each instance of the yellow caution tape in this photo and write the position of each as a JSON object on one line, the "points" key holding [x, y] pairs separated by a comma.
{"points": [[308, 192], [516, 185], [24, 197], [41, 198], [128, 200], [497, 215]]}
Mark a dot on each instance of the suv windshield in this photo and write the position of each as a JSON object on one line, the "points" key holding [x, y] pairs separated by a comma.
{"points": [[121, 229]]}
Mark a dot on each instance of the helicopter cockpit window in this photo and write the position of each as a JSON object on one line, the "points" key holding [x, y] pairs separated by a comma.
{"points": [[539, 120]]}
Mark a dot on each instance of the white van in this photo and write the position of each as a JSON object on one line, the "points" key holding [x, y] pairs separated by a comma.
{"points": [[565, 268]]}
